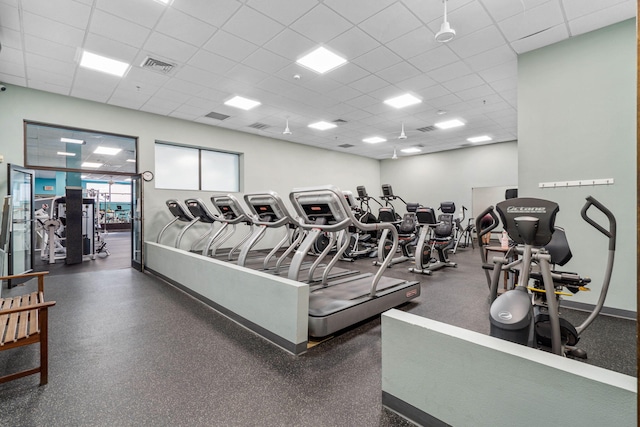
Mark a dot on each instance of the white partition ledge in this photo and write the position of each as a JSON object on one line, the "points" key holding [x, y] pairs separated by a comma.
{"points": [[438, 374], [275, 307]]}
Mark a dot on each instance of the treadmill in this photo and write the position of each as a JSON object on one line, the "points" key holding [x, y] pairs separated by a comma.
{"points": [[181, 214], [267, 211], [200, 211], [231, 213], [335, 306]]}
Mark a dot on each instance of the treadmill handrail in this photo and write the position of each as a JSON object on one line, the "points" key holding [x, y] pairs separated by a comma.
{"points": [[354, 221], [255, 216]]}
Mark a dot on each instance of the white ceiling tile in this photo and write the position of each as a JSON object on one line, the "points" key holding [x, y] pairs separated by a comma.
{"points": [[48, 87], [357, 11], [475, 92], [362, 101], [283, 11], [377, 59], [533, 21], [45, 47], [550, 36], [414, 43], [94, 82], [12, 79], [369, 84], [247, 75], [183, 27], [503, 9], [115, 28], [450, 72], [69, 13], [352, 43], [138, 87], [611, 15], [183, 86], [348, 73], [9, 17], [478, 42], [212, 12], [290, 44], [167, 94], [463, 83], [390, 23], [253, 26], [54, 65], [168, 48], [399, 72], [230, 46], [499, 72], [577, 8], [11, 38], [10, 55], [320, 84], [160, 106], [266, 61], [505, 84], [195, 75], [434, 92], [491, 58], [417, 83], [146, 76], [110, 48], [434, 58], [55, 31], [211, 62], [16, 71], [142, 12], [126, 99], [344, 93], [321, 24]]}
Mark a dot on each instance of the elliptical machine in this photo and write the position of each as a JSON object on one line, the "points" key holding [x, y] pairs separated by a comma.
{"points": [[530, 315]]}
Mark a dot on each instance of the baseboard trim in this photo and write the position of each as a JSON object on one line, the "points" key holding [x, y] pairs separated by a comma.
{"points": [[410, 412]]}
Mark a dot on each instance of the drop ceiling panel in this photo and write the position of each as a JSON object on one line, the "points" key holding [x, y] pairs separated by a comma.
{"points": [[103, 23], [357, 11], [249, 47], [321, 24], [252, 26], [183, 27], [229, 46], [141, 12]]}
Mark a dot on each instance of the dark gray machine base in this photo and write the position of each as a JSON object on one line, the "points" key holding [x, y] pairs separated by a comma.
{"points": [[327, 314], [410, 412]]}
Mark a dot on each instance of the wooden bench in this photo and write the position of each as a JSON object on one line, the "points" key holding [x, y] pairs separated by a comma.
{"points": [[23, 321]]}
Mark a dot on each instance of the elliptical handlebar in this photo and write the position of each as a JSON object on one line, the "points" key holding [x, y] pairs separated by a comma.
{"points": [[611, 232], [481, 232]]}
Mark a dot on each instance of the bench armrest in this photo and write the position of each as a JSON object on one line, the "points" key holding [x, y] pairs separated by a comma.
{"points": [[39, 274], [30, 307]]}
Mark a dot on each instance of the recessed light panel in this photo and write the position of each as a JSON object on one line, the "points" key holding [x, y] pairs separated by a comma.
{"points": [[242, 103], [321, 60], [107, 150], [65, 153], [482, 138], [449, 124], [374, 140], [411, 150], [91, 165], [103, 64], [322, 125], [72, 141], [131, 160], [403, 101]]}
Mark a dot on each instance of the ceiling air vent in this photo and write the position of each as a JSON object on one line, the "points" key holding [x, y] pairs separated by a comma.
{"points": [[339, 121], [346, 145], [217, 116], [259, 126], [427, 129], [156, 65]]}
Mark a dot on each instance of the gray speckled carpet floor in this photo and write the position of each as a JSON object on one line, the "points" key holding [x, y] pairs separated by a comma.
{"points": [[129, 349]]}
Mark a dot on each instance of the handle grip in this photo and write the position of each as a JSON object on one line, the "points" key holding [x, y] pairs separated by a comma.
{"points": [[611, 232], [481, 232]]}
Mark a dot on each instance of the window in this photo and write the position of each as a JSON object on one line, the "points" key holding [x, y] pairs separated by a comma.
{"points": [[187, 168]]}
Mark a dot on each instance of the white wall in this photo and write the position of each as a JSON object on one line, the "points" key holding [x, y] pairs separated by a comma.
{"points": [[450, 175], [268, 164], [577, 120]]}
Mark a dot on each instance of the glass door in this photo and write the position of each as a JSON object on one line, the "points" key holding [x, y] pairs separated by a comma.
{"points": [[21, 240], [137, 240]]}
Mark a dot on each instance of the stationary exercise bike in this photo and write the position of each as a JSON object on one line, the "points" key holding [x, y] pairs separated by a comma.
{"points": [[530, 315]]}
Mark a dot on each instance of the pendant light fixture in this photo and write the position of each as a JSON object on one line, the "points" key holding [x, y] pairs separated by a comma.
{"points": [[395, 154], [287, 131], [446, 33], [402, 134]]}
